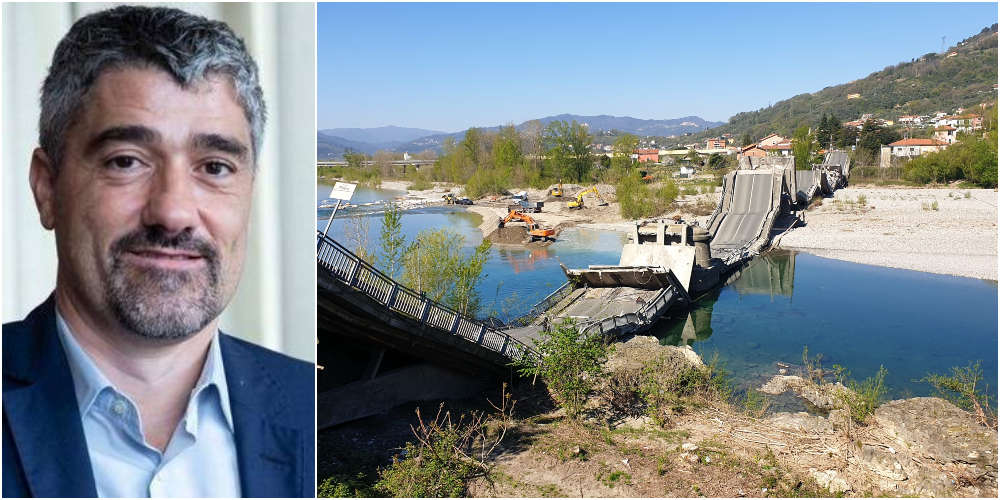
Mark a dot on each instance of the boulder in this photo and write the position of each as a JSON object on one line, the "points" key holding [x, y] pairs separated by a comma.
{"points": [[941, 435]]}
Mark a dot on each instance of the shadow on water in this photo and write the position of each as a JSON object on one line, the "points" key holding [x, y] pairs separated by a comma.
{"points": [[860, 317]]}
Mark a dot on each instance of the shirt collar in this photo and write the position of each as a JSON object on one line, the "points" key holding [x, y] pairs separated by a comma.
{"points": [[89, 381]]}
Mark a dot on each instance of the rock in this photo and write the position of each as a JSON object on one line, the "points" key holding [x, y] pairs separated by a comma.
{"points": [[938, 429], [830, 479], [782, 371], [690, 457], [938, 432], [882, 463], [800, 421], [823, 396], [689, 447]]}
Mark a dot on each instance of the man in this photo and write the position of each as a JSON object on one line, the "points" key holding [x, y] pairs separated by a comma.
{"points": [[120, 384]]}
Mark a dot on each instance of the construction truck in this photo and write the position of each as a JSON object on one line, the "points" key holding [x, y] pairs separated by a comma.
{"points": [[578, 204], [521, 203], [557, 191], [536, 232]]}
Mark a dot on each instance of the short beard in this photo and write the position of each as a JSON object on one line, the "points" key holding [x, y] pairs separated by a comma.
{"points": [[163, 304]]}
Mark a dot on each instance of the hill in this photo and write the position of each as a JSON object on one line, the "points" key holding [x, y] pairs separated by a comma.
{"points": [[332, 147], [606, 123], [636, 126], [963, 76], [381, 137]]}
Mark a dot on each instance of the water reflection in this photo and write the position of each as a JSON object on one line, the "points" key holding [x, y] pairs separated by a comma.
{"points": [[522, 261], [771, 274], [860, 317]]}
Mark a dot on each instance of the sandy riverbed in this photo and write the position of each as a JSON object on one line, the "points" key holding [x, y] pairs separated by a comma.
{"points": [[900, 228]]}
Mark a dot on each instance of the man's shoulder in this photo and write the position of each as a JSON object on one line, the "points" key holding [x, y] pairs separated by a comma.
{"points": [[279, 364], [26, 340], [260, 377]]}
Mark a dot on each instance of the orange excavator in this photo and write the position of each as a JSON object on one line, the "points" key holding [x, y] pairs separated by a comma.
{"points": [[536, 233]]}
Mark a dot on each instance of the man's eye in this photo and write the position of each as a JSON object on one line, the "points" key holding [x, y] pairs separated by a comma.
{"points": [[123, 162], [218, 169]]}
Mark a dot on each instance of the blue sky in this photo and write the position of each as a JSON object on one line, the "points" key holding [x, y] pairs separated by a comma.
{"points": [[450, 66]]}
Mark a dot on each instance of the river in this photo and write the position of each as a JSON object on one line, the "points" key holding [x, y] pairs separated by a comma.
{"points": [[858, 316]]}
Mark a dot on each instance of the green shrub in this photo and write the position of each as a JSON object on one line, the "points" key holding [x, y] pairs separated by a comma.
{"points": [[486, 182], [447, 454], [960, 389], [343, 486], [863, 398], [568, 362]]}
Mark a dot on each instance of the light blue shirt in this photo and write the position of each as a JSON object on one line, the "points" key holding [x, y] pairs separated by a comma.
{"points": [[200, 459]]}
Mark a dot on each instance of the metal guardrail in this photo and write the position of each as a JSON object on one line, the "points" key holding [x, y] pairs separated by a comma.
{"points": [[351, 270], [543, 306]]}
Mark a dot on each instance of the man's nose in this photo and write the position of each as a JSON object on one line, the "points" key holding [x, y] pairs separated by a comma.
{"points": [[171, 203]]}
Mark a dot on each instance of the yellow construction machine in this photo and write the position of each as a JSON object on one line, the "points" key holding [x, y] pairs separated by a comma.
{"points": [[556, 191], [578, 204]]}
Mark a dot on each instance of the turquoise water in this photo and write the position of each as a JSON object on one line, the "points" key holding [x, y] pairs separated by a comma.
{"points": [[857, 316], [860, 317], [515, 278]]}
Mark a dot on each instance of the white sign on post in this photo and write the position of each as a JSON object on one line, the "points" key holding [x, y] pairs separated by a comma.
{"points": [[343, 191]]}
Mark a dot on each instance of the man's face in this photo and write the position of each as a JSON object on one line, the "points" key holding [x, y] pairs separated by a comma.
{"points": [[151, 203]]}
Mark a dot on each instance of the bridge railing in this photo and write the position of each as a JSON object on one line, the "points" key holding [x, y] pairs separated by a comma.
{"points": [[353, 271], [543, 306]]}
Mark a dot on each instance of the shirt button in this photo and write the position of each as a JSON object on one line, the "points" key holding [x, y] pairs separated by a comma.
{"points": [[118, 407]]}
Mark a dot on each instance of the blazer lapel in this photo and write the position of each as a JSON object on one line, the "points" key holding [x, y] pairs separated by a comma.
{"points": [[41, 410], [270, 455]]}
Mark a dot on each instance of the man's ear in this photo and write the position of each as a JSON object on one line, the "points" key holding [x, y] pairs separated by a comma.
{"points": [[42, 178]]}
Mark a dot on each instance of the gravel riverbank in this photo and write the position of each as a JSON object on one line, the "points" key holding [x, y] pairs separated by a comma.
{"points": [[943, 231]]}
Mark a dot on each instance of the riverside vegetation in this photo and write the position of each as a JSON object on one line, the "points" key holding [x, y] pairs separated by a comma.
{"points": [[630, 419]]}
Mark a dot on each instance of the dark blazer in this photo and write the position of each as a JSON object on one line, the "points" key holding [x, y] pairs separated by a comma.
{"points": [[272, 398]]}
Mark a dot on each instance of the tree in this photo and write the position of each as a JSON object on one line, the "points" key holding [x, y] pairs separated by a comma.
{"points": [[392, 241], [569, 362], [435, 264], [569, 149], [874, 136], [621, 158], [507, 154], [803, 145], [353, 158], [693, 156], [746, 140], [383, 162], [464, 297]]}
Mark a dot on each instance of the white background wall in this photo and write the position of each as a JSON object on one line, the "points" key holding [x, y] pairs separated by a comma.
{"points": [[276, 302]]}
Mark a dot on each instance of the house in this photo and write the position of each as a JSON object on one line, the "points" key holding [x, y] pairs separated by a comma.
{"points": [[953, 54], [715, 144], [783, 149], [771, 140], [909, 148], [647, 155], [914, 119], [406, 156], [752, 150], [858, 124], [945, 133], [867, 116], [854, 96], [687, 172], [963, 122]]}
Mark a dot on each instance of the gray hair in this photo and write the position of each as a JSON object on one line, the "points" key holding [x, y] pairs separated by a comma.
{"points": [[188, 47]]}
